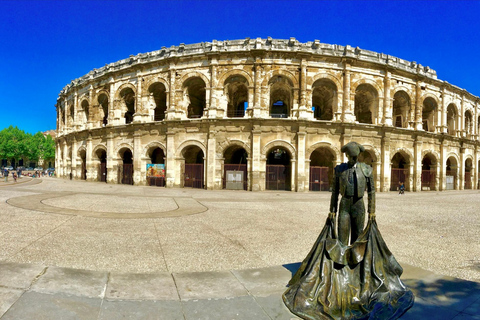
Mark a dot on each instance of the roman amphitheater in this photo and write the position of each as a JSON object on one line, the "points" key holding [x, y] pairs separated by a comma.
{"points": [[266, 114]]}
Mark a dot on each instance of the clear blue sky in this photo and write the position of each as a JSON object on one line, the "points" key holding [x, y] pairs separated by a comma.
{"points": [[46, 44]]}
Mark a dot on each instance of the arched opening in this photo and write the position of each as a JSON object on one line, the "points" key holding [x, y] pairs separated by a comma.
{"points": [[366, 103], [72, 114], [103, 102], [468, 122], [401, 109], [83, 160], [324, 97], [280, 97], [85, 111], [451, 119], [278, 170], [428, 172], [321, 169], [428, 114], [400, 172], [195, 97], [102, 167], [159, 96], [128, 97], [156, 167], [451, 173], [125, 170], [236, 91], [468, 174], [194, 167], [235, 168]]}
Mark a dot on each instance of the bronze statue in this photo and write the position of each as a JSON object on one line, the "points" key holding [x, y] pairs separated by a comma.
{"points": [[351, 180], [346, 282]]}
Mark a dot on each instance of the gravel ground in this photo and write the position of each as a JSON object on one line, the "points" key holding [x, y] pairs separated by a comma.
{"points": [[437, 231]]}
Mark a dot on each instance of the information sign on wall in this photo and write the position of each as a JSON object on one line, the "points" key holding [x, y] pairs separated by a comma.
{"points": [[155, 170]]}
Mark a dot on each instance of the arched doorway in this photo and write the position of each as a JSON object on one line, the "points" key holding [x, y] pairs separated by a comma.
{"points": [[321, 169], [235, 169], [278, 170], [451, 173], [236, 90], [366, 104], [156, 167], [159, 96], [125, 170], [324, 97], [468, 174], [401, 109], [429, 120], [83, 160], [400, 172], [195, 97], [280, 97], [102, 168], [194, 167], [128, 98], [428, 173]]}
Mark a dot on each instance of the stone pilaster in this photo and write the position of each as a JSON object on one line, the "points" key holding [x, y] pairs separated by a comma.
{"points": [[210, 179], [302, 184], [138, 172], [348, 97], [92, 171], [258, 171], [417, 148], [418, 107], [385, 173], [387, 101], [112, 165], [170, 164]]}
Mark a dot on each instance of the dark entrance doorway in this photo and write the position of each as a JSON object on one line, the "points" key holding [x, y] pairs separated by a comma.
{"points": [[83, 159], [235, 169], [193, 171], [125, 172], [400, 173], [102, 168], [321, 169], [428, 174], [278, 175], [451, 174], [157, 156], [468, 174]]}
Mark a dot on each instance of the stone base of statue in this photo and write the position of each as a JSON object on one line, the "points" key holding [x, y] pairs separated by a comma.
{"points": [[361, 281]]}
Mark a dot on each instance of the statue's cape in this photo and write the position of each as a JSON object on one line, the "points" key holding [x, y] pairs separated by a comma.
{"points": [[361, 281]]}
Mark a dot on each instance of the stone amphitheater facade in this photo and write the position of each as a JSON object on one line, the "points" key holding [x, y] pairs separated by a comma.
{"points": [[276, 110]]}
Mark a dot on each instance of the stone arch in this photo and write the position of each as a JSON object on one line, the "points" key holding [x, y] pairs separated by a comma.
{"points": [[236, 93], [338, 82], [374, 84], [323, 144], [194, 96], [125, 86], [468, 121], [80, 150], [452, 118], [371, 149], [324, 98], [284, 73], [151, 80], [430, 105], [121, 146], [191, 74], [280, 96], [189, 143], [157, 95], [85, 108], [153, 145], [234, 142], [279, 143], [402, 107], [366, 103], [454, 156], [404, 152], [434, 153], [225, 75]]}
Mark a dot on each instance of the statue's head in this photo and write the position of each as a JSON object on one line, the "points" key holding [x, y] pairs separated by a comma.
{"points": [[352, 150]]}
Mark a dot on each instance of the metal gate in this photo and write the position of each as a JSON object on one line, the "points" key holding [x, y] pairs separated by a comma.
{"points": [[125, 173], [278, 177], [103, 172], [468, 180], [193, 175], [156, 181], [451, 179], [83, 173], [428, 180], [235, 167], [319, 180], [399, 175]]}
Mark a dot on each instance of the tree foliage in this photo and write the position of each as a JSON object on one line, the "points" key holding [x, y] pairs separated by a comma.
{"points": [[16, 144]]}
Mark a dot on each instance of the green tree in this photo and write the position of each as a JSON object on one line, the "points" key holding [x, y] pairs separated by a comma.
{"points": [[13, 143]]}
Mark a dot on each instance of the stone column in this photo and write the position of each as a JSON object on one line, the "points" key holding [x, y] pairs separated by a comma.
{"points": [[303, 111], [385, 172], [418, 107], [443, 166], [170, 164], [348, 98], [112, 160], [387, 101], [139, 173], [210, 164], [461, 118], [172, 105], [112, 120], [75, 174], [258, 172], [301, 170], [411, 176], [417, 165], [475, 168], [91, 175], [461, 171], [257, 87], [212, 110], [293, 176], [443, 128]]}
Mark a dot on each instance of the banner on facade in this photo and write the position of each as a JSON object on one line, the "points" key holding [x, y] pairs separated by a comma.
{"points": [[156, 170]]}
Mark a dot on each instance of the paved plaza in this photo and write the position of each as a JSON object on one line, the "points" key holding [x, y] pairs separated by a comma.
{"points": [[85, 250]]}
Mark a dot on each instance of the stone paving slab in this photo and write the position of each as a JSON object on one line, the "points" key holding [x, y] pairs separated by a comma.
{"points": [[145, 310], [156, 286]]}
